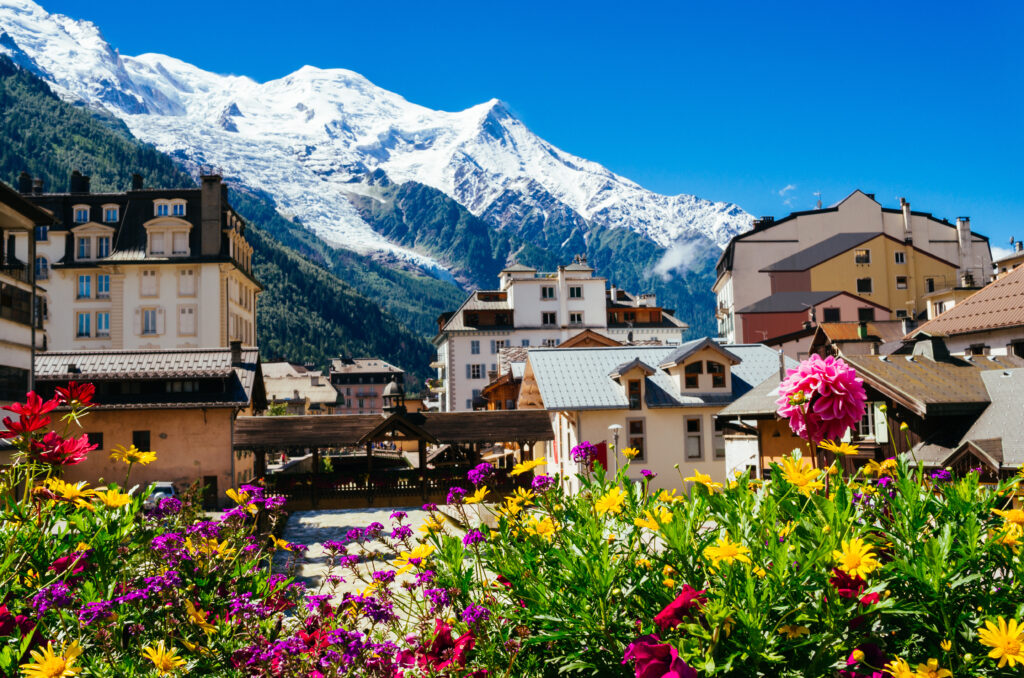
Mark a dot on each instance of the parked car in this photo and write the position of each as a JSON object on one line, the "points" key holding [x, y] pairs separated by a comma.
{"points": [[161, 490]]}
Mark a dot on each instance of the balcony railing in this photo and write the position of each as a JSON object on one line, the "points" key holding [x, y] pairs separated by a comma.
{"points": [[16, 270]]}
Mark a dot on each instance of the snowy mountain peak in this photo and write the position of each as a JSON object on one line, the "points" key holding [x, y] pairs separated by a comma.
{"points": [[309, 137]]}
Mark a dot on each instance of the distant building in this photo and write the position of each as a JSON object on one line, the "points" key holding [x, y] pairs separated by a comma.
{"points": [[876, 337], [786, 312], [663, 398], [888, 257], [300, 388], [360, 383], [144, 268], [534, 309], [180, 403], [1011, 261], [18, 295]]}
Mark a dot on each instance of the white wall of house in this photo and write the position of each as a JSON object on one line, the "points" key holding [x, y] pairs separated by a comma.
{"points": [[996, 342]]}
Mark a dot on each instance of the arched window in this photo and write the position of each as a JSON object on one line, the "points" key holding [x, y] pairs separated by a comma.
{"points": [[717, 372], [42, 268]]}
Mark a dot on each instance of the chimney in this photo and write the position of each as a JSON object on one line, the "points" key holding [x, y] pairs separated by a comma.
{"points": [[236, 353], [908, 325], [1019, 247], [24, 183], [79, 183], [212, 206], [136, 182], [908, 228], [37, 186], [862, 330], [782, 366], [963, 235]]}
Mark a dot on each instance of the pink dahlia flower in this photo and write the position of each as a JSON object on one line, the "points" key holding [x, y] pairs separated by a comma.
{"points": [[822, 398]]}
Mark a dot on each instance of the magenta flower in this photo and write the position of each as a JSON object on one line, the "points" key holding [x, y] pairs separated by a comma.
{"points": [[655, 659], [690, 600], [822, 398]]}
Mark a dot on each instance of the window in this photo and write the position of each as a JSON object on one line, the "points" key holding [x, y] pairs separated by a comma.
{"points": [[103, 286], [85, 287], [549, 318], [547, 292], [476, 371], [718, 440], [178, 209], [42, 268], [359, 401], [901, 314], [148, 283], [84, 325], [156, 243], [576, 318], [96, 439], [717, 372], [633, 393], [187, 321], [103, 246], [862, 256], [179, 242], [831, 315], [103, 324], [42, 233], [474, 347], [549, 343], [1017, 349], [694, 444], [149, 321], [900, 257], [940, 307], [497, 345], [187, 283], [525, 343], [901, 282], [929, 284], [140, 439], [690, 373], [576, 292], [864, 286], [81, 215], [978, 349], [866, 425], [636, 437], [110, 215], [161, 209], [865, 314], [85, 248]]}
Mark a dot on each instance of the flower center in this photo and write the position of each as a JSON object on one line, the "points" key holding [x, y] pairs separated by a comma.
{"points": [[53, 667]]}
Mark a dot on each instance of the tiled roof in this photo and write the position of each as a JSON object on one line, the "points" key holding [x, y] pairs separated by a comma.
{"points": [[821, 252], [519, 268], [285, 381], [578, 378], [1002, 418], [363, 366], [795, 302], [997, 305], [883, 330], [759, 401]]}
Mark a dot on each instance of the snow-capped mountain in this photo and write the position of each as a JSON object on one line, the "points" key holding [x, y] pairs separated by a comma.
{"points": [[312, 138]]}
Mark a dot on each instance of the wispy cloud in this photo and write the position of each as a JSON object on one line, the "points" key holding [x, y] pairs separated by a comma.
{"points": [[789, 187], [1000, 252]]}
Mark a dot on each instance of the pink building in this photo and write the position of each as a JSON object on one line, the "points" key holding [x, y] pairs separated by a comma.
{"points": [[360, 383], [786, 312]]}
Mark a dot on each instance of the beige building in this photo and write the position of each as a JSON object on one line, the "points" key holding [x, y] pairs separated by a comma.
{"points": [[663, 398], [143, 269], [300, 388], [360, 383]]}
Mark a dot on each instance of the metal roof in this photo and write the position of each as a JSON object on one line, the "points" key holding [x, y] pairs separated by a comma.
{"points": [[795, 302], [688, 348], [578, 378], [1002, 418], [822, 251], [363, 366], [142, 364], [998, 305], [759, 402]]}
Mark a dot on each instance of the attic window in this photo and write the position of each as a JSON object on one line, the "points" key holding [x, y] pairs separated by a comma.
{"points": [[633, 393], [862, 256], [690, 373], [717, 372]]}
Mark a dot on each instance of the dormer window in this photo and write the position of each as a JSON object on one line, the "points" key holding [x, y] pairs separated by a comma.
{"points": [[634, 394], [717, 372], [103, 246], [691, 374], [161, 209], [84, 250], [81, 215], [111, 214], [178, 209], [156, 243]]}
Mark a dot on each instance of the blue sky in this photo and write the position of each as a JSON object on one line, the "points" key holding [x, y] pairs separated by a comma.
{"points": [[727, 100]]}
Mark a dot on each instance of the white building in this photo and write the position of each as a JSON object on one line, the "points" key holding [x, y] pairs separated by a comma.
{"points": [[532, 309], [143, 269]]}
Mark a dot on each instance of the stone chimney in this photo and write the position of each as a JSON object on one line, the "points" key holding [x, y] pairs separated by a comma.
{"points": [[908, 225], [37, 186], [236, 353], [782, 366], [136, 182], [212, 192], [79, 183], [24, 183], [963, 235]]}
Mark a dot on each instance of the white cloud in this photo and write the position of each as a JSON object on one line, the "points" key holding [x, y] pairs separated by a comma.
{"points": [[678, 257], [789, 187], [1000, 252]]}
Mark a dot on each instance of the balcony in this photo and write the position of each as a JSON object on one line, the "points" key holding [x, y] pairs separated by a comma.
{"points": [[15, 269]]}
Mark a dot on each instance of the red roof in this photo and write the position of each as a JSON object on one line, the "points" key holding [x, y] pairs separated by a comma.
{"points": [[998, 305]]}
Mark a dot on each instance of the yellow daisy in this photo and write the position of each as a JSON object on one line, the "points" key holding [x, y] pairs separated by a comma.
{"points": [[841, 448], [545, 527], [132, 455], [611, 502], [166, 661], [726, 551], [793, 632], [421, 552], [856, 558], [899, 668], [198, 617], [630, 452], [113, 498], [798, 472], [49, 664], [705, 480], [526, 466], [477, 496], [932, 670], [1006, 638]]}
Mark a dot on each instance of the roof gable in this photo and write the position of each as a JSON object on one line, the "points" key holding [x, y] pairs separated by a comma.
{"points": [[689, 348]]}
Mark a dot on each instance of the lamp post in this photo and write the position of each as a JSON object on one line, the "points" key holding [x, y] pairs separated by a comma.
{"points": [[615, 428]]}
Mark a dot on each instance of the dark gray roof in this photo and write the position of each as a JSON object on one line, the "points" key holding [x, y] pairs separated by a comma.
{"points": [[759, 402], [823, 251], [789, 302], [1001, 419], [519, 268], [627, 366]]}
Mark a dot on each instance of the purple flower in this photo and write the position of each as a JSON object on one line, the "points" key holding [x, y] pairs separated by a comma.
{"points": [[542, 483], [373, 530], [56, 595], [473, 537], [401, 532], [399, 516], [169, 506], [314, 602], [274, 503], [884, 481], [334, 546], [648, 474], [378, 610], [424, 577], [474, 614], [384, 576], [205, 529], [480, 474], [583, 453], [93, 612], [438, 598], [942, 476], [355, 534], [430, 507], [456, 495]]}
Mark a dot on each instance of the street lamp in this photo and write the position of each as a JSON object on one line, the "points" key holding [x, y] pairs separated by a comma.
{"points": [[615, 428]]}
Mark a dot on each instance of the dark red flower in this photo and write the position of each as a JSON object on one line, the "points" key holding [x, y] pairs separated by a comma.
{"points": [[33, 406], [655, 659], [9, 622], [870, 599], [870, 667], [26, 424], [846, 585], [442, 651], [64, 451], [76, 562], [75, 394], [686, 603]]}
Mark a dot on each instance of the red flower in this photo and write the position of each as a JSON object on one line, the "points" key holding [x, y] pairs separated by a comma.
{"points": [[9, 622], [442, 651], [870, 599], [76, 562], [655, 659], [33, 405], [64, 451], [25, 425], [688, 601], [846, 585], [75, 393]]}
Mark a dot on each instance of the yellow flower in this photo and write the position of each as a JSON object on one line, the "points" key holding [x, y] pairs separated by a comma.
{"points": [[932, 670], [630, 452], [792, 632], [857, 655], [1010, 535], [113, 498], [242, 499], [670, 497], [904, 426], [523, 497], [703, 479], [654, 523], [760, 572], [798, 472], [166, 661], [198, 617], [610, 502], [421, 552], [209, 547], [1015, 516], [276, 543], [76, 494], [544, 527], [432, 524], [856, 558], [899, 668], [132, 455], [196, 648], [946, 645], [669, 583], [841, 448], [510, 509], [787, 529], [1006, 640], [726, 551], [644, 563], [477, 496], [526, 466], [49, 664]]}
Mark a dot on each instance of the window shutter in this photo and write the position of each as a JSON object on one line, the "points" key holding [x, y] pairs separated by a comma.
{"points": [[881, 427], [467, 371], [160, 321], [138, 322], [494, 347], [848, 436]]}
